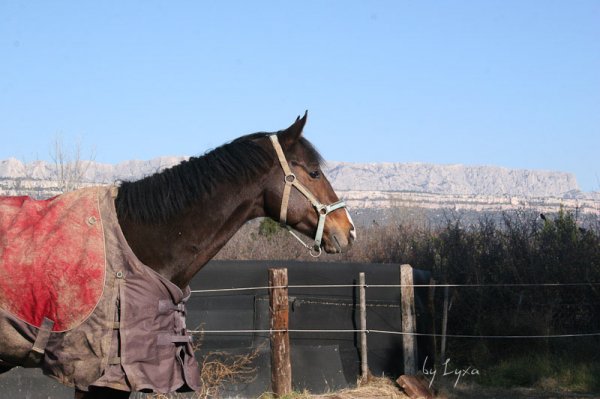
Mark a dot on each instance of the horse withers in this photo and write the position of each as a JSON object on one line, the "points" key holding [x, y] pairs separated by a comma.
{"points": [[118, 260]]}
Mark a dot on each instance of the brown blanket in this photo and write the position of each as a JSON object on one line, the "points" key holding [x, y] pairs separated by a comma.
{"points": [[135, 339]]}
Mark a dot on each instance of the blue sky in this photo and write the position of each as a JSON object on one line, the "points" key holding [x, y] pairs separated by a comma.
{"points": [[507, 83]]}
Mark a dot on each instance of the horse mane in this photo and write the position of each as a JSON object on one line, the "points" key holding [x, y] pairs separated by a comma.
{"points": [[156, 198]]}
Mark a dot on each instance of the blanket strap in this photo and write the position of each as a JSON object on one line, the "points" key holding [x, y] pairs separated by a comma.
{"points": [[41, 340], [165, 306], [114, 360], [166, 339]]}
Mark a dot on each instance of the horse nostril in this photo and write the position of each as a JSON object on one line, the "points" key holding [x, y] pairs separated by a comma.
{"points": [[353, 234]]}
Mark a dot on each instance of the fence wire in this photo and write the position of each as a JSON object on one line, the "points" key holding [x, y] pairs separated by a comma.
{"points": [[318, 286], [369, 331], [372, 331]]}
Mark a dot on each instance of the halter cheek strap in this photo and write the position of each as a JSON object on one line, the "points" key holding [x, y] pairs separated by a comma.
{"points": [[291, 181]]}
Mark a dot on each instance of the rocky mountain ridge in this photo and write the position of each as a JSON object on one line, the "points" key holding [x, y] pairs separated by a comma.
{"points": [[450, 179], [364, 185]]}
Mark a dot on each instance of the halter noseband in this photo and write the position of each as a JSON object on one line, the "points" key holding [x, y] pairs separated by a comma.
{"points": [[322, 210]]}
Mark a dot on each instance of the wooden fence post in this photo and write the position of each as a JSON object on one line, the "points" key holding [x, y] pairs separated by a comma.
{"points": [[364, 365], [281, 368], [431, 307], [444, 325], [408, 320]]}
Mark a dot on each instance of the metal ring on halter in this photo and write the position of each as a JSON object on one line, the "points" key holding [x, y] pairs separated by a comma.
{"points": [[315, 253]]}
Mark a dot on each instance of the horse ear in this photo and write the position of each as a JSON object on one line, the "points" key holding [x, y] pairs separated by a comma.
{"points": [[289, 136]]}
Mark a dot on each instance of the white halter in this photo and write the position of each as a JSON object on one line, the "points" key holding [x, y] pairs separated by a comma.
{"points": [[322, 210]]}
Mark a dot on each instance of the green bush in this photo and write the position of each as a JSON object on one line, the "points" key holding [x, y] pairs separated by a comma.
{"points": [[268, 228]]}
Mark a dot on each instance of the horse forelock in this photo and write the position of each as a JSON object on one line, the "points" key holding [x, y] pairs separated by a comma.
{"points": [[312, 155]]}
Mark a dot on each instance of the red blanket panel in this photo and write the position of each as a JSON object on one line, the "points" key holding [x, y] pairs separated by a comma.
{"points": [[52, 258]]}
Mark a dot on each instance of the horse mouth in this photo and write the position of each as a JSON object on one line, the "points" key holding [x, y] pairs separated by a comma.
{"points": [[336, 246]]}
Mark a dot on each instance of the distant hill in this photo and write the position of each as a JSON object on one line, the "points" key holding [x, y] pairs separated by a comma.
{"points": [[364, 185], [94, 172], [450, 179]]}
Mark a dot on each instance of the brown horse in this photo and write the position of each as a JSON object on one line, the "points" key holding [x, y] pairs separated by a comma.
{"points": [[175, 221]]}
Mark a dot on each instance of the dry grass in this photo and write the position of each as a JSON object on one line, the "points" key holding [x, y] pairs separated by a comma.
{"points": [[220, 368], [375, 388], [216, 370], [377, 244]]}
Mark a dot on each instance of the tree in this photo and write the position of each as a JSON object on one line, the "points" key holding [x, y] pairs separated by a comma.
{"points": [[69, 168]]}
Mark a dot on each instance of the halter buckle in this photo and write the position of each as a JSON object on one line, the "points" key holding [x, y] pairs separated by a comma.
{"points": [[291, 178]]}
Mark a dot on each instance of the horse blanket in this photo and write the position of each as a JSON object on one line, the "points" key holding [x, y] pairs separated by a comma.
{"points": [[80, 305], [53, 259]]}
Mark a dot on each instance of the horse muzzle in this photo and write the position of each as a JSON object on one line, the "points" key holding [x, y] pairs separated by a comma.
{"points": [[340, 234]]}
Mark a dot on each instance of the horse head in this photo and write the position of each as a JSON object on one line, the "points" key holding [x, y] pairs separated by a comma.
{"points": [[299, 196], [178, 219]]}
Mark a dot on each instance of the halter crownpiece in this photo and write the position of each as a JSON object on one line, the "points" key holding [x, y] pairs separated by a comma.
{"points": [[322, 210]]}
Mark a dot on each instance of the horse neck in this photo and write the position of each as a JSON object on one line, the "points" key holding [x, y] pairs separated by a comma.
{"points": [[178, 248]]}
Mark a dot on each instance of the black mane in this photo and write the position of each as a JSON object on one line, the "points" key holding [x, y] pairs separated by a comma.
{"points": [[156, 198]]}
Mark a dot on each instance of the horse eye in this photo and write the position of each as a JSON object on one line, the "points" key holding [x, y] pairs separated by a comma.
{"points": [[315, 175]]}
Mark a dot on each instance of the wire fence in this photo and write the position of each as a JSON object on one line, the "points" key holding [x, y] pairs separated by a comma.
{"points": [[398, 286], [259, 288], [271, 331]]}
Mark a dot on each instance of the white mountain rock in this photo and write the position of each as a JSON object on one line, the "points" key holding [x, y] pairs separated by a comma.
{"points": [[450, 179], [363, 185]]}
